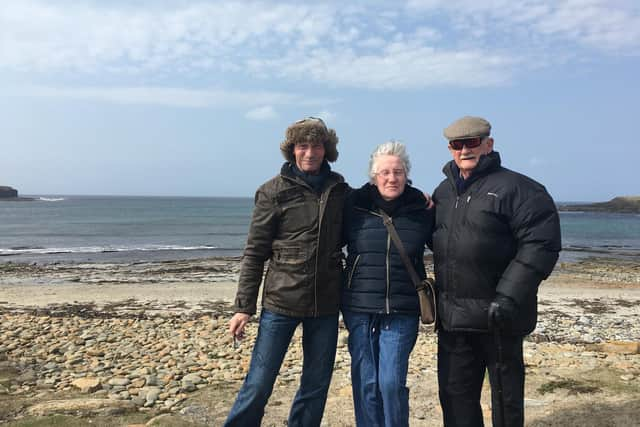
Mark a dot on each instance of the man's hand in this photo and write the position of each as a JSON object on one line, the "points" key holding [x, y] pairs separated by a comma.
{"points": [[502, 313], [237, 324], [429, 200]]}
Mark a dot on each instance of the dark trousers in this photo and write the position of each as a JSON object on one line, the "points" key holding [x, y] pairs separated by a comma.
{"points": [[463, 358]]}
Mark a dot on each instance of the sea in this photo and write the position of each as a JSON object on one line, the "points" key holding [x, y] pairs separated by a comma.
{"points": [[138, 229]]}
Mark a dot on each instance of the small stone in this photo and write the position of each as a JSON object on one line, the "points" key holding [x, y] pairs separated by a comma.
{"points": [[119, 382]]}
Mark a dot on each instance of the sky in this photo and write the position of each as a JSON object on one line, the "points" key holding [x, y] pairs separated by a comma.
{"points": [[192, 98]]}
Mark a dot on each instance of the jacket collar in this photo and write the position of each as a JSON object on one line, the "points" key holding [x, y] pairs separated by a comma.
{"points": [[487, 164], [412, 199], [287, 172]]}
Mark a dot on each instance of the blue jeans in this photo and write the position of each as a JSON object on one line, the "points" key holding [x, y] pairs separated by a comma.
{"points": [[380, 345], [319, 338]]}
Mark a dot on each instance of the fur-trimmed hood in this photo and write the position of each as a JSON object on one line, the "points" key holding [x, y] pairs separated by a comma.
{"points": [[310, 129]]}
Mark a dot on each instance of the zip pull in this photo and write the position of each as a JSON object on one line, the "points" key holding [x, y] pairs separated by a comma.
{"points": [[468, 198], [457, 198]]}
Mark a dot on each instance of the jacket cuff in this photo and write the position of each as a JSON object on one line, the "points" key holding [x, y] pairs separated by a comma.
{"points": [[243, 306]]}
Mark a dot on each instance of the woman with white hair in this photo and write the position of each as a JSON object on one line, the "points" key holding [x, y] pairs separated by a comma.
{"points": [[379, 302]]}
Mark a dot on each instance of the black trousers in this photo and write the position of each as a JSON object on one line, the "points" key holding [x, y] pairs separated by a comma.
{"points": [[463, 358]]}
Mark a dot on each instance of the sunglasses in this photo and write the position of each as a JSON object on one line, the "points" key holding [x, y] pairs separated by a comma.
{"points": [[311, 119], [457, 144]]}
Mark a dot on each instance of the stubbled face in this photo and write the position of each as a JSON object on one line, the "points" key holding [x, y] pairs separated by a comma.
{"points": [[467, 158], [309, 156], [390, 177]]}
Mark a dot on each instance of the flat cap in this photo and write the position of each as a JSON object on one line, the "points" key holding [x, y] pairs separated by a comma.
{"points": [[467, 127]]}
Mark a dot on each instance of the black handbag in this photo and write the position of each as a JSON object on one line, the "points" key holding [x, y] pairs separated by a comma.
{"points": [[425, 288]]}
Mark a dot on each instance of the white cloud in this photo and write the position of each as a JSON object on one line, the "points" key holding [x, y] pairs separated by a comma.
{"points": [[174, 97], [400, 66], [611, 26], [47, 36], [262, 113], [429, 43]]}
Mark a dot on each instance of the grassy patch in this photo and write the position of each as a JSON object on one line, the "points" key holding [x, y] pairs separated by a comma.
{"points": [[609, 378], [599, 380], [71, 421], [572, 386]]}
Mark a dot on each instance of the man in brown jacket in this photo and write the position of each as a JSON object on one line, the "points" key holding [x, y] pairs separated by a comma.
{"points": [[297, 226]]}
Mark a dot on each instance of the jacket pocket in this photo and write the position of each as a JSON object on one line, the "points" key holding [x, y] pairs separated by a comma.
{"points": [[485, 213], [353, 269], [289, 255]]}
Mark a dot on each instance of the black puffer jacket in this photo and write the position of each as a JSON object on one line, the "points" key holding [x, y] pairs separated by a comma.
{"points": [[376, 280], [502, 234]]}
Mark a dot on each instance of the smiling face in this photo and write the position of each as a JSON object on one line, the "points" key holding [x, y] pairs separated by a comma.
{"points": [[309, 156], [467, 158], [390, 176]]}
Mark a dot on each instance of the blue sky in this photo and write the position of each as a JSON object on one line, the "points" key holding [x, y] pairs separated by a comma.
{"points": [[193, 97]]}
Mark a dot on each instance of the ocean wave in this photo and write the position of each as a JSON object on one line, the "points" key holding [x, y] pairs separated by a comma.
{"points": [[623, 250], [51, 199], [27, 250]]}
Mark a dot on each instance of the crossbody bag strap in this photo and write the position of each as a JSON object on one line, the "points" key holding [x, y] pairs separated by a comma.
{"points": [[388, 222]]}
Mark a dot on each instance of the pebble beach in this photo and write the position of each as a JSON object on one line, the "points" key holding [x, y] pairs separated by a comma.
{"points": [[148, 342]]}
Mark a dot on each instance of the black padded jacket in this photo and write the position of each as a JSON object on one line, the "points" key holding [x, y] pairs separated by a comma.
{"points": [[500, 235]]}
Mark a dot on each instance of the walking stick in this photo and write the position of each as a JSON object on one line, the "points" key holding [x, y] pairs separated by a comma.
{"points": [[498, 339]]}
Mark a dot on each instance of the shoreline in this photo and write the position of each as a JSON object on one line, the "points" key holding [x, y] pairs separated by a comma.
{"points": [[132, 343], [198, 280]]}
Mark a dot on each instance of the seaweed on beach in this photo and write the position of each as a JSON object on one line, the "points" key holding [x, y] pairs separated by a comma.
{"points": [[193, 269], [553, 313], [625, 303], [595, 306], [130, 309]]}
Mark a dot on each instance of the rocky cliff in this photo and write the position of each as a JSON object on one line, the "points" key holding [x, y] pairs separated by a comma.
{"points": [[6, 192], [628, 204]]}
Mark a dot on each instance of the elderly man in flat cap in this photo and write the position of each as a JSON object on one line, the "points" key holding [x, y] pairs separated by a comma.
{"points": [[497, 236], [297, 227]]}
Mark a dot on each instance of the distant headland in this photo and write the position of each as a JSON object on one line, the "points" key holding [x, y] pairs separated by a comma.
{"points": [[622, 204], [11, 194]]}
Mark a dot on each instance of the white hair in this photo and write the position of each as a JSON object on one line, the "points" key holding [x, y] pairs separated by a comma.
{"points": [[389, 148]]}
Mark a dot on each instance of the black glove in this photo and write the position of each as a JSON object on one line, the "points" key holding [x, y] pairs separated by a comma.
{"points": [[502, 313]]}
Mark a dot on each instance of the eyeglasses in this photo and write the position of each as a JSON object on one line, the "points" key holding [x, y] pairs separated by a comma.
{"points": [[387, 173], [457, 144]]}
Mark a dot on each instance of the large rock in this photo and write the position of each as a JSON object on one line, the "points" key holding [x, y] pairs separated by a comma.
{"points": [[83, 407], [6, 192], [87, 385]]}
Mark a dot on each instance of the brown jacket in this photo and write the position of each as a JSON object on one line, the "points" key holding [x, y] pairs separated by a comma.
{"points": [[299, 232]]}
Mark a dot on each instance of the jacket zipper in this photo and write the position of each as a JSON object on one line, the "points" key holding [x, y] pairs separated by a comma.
{"points": [[387, 262], [321, 203], [454, 223], [315, 272], [387, 303], [353, 269]]}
